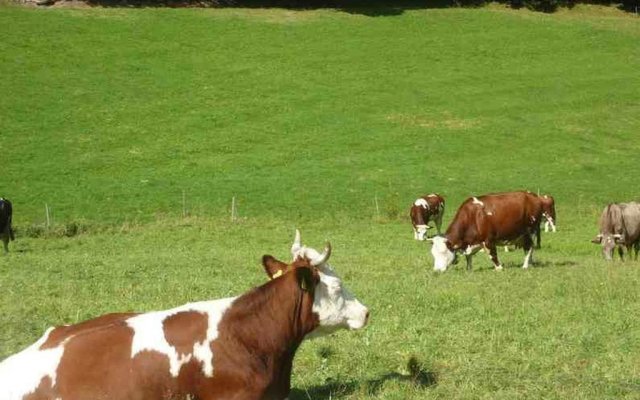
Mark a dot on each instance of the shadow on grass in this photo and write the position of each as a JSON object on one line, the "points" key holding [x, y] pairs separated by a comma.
{"points": [[372, 8], [334, 390], [461, 267]]}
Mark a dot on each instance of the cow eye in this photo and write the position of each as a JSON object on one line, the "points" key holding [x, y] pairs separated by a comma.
{"points": [[335, 289]]}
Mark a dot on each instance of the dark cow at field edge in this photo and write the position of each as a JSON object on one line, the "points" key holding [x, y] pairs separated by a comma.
{"points": [[487, 221], [619, 226], [234, 348], [424, 209], [6, 230]]}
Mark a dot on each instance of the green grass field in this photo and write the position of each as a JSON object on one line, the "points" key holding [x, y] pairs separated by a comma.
{"points": [[122, 119]]}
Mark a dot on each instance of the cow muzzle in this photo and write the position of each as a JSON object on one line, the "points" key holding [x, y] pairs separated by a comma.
{"points": [[420, 232]]}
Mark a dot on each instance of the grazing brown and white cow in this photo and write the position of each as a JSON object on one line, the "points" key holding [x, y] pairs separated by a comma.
{"points": [[6, 231], [235, 348], [619, 226], [484, 222], [423, 209]]}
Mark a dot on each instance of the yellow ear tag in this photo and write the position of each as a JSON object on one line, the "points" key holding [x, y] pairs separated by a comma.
{"points": [[277, 274]]}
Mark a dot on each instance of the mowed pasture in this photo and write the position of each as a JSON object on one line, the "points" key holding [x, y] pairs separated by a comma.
{"points": [[124, 120]]}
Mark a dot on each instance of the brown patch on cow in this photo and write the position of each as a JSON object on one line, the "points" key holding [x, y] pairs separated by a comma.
{"points": [[191, 377], [44, 391], [184, 329], [96, 364], [152, 378], [60, 333]]}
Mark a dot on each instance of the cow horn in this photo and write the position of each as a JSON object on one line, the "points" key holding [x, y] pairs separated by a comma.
{"points": [[296, 246], [322, 258]]}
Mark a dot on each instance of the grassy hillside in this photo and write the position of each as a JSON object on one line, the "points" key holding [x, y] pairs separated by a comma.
{"points": [[309, 118], [109, 115]]}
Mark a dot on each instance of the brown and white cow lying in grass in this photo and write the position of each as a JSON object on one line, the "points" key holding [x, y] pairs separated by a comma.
{"points": [[486, 221], [235, 348]]}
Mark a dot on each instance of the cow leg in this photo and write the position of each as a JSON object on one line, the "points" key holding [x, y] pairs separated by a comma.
{"points": [[621, 253], [538, 237], [468, 258], [493, 253], [438, 222], [5, 242], [528, 250], [636, 248]]}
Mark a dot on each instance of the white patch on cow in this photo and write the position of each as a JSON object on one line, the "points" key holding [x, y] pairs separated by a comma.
{"points": [[149, 334], [478, 202], [527, 258], [21, 373], [421, 203], [489, 213], [471, 250], [442, 256], [336, 307]]}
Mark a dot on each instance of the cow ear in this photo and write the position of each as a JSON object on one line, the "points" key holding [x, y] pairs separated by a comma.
{"points": [[274, 268], [305, 279], [597, 239]]}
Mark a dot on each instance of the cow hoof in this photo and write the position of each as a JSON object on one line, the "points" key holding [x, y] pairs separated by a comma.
{"points": [[498, 267]]}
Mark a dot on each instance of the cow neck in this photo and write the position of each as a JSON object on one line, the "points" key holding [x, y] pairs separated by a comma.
{"points": [[417, 215], [455, 237], [273, 319]]}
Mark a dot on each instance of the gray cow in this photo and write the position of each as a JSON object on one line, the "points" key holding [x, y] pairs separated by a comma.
{"points": [[619, 226]]}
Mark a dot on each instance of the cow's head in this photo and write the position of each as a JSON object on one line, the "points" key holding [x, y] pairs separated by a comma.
{"points": [[333, 303], [420, 232], [549, 210], [609, 241], [442, 253]]}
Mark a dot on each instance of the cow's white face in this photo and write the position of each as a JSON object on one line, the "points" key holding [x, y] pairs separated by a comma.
{"points": [[336, 307], [442, 256], [420, 232]]}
